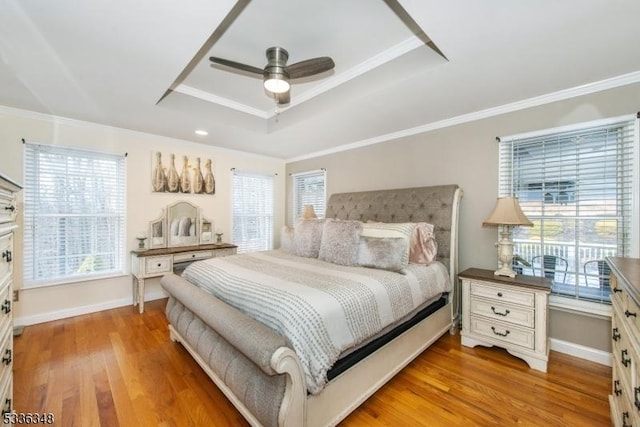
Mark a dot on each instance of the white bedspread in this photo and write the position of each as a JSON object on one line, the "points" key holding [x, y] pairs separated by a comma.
{"points": [[321, 308]]}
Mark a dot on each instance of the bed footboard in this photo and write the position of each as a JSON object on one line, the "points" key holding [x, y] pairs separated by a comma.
{"points": [[250, 363]]}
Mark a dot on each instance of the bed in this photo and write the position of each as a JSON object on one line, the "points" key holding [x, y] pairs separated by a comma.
{"points": [[264, 370]]}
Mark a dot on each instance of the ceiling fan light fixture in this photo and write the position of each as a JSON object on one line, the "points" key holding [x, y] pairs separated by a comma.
{"points": [[276, 83]]}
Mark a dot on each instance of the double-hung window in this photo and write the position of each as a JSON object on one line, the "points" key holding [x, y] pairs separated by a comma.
{"points": [[309, 188], [577, 187], [74, 215], [253, 207]]}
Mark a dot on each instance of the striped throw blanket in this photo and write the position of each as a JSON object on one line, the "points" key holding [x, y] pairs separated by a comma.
{"points": [[323, 309]]}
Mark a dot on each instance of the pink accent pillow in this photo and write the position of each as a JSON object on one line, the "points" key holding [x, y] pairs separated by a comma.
{"points": [[423, 247]]}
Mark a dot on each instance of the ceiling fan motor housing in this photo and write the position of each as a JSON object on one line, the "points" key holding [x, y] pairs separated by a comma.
{"points": [[275, 69]]}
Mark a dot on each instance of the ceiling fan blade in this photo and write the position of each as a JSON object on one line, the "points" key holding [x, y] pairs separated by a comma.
{"points": [[310, 67], [236, 65]]}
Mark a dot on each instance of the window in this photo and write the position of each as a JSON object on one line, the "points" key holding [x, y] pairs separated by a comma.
{"points": [[74, 215], [252, 201], [576, 187], [309, 189]]}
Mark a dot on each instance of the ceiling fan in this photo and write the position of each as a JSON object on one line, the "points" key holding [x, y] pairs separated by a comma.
{"points": [[276, 74]]}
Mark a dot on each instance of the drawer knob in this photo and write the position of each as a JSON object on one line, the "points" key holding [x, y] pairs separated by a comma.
{"points": [[629, 314], [617, 290], [7, 255], [616, 388], [6, 306], [10, 208], [193, 255], [615, 334], [7, 357], [502, 334], [498, 313], [500, 294], [159, 265], [625, 361]]}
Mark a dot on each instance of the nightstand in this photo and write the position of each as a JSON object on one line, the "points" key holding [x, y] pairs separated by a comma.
{"points": [[511, 313]]}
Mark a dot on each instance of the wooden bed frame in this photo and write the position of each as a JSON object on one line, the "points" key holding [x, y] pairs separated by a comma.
{"points": [[438, 205]]}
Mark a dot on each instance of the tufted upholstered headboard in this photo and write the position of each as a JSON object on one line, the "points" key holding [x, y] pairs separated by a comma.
{"points": [[437, 205]]}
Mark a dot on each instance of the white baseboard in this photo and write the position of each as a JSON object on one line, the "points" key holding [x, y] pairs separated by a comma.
{"points": [[583, 352], [77, 311]]}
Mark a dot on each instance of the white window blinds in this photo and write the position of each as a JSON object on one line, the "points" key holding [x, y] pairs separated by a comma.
{"points": [[252, 202], [576, 187], [74, 215], [309, 188]]}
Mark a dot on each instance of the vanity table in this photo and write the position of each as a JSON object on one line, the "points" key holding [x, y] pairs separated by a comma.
{"points": [[177, 238], [158, 262]]}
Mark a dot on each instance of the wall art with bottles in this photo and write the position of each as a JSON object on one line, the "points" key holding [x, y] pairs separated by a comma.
{"points": [[171, 173]]}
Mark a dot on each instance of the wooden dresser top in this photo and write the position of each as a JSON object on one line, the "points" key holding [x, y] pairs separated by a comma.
{"points": [[627, 271]]}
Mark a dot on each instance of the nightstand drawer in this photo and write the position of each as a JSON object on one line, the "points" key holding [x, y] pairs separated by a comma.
{"points": [[157, 264], [504, 332], [503, 294], [503, 312], [192, 256]]}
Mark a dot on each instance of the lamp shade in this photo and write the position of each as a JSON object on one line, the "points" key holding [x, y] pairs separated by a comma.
{"points": [[507, 212], [308, 212]]}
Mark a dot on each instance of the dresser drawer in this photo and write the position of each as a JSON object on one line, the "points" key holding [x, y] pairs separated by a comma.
{"points": [[157, 265], [6, 255], [498, 310], [225, 252], [7, 206], [503, 294], [504, 332], [192, 256]]}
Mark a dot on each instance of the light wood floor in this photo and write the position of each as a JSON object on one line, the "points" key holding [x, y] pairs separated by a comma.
{"points": [[117, 367]]}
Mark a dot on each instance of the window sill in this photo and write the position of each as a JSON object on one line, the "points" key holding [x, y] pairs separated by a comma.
{"points": [[71, 280], [572, 305]]}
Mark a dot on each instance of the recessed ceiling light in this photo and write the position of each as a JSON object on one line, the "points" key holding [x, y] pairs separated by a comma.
{"points": [[202, 132]]}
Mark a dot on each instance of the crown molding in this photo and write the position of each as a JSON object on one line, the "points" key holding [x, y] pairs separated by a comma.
{"points": [[225, 102], [589, 88]]}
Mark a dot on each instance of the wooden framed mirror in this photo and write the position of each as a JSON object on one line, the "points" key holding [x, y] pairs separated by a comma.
{"points": [[158, 232]]}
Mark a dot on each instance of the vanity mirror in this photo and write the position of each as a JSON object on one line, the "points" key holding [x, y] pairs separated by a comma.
{"points": [[180, 225], [183, 220]]}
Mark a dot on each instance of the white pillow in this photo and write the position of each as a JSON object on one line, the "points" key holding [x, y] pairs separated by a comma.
{"points": [[387, 229]]}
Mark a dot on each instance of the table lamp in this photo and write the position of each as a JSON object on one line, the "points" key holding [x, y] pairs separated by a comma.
{"points": [[507, 214]]}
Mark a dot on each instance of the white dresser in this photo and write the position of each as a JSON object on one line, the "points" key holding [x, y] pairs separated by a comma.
{"points": [[508, 313], [158, 262], [624, 400], [8, 190]]}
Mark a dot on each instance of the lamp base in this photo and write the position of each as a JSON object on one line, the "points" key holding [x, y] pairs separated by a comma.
{"points": [[505, 271]]}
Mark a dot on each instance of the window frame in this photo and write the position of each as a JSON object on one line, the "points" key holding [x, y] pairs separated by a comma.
{"points": [[505, 172], [298, 203], [30, 217], [269, 217]]}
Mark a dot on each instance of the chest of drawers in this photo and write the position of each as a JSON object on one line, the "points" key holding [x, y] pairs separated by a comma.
{"points": [[624, 400], [511, 313], [8, 190]]}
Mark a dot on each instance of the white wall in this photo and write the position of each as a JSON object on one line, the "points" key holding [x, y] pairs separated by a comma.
{"points": [[54, 302]]}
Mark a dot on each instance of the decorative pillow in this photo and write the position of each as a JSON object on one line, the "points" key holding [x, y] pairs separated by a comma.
{"points": [[286, 239], [384, 253], [307, 236], [403, 230], [424, 247], [340, 241]]}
